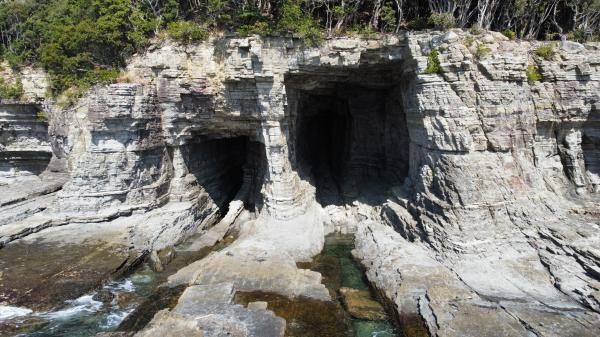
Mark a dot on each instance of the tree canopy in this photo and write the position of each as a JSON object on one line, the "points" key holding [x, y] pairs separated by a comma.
{"points": [[85, 41]]}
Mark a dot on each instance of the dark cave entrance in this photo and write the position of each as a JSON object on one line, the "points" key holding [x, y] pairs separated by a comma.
{"points": [[227, 167], [350, 141]]}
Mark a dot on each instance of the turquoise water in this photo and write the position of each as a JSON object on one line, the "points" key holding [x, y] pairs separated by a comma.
{"points": [[352, 276], [86, 316]]}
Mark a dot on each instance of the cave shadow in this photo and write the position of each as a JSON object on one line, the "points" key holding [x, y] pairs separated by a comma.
{"points": [[223, 167], [590, 144], [349, 139]]}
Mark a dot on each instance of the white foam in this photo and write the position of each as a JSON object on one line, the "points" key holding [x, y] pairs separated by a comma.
{"points": [[115, 318], [77, 306], [8, 312], [125, 286]]}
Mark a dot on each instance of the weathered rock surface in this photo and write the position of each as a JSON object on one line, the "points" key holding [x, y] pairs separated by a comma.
{"points": [[210, 311]]}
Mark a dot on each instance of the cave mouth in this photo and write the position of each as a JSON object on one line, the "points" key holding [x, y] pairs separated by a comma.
{"points": [[350, 141], [227, 168]]}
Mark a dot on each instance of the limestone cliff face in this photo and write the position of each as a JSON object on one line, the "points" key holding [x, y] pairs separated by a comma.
{"points": [[473, 164]]}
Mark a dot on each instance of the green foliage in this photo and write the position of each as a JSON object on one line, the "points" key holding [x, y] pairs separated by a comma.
{"points": [[551, 36], [11, 91], [186, 32], [41, 116], [475, 29], [259, 27], [576, 35], [75, 39], [364, 31], [70, 96], [418, 23], [533, 74], [433, 62], [442, 21], [388, 17], [511, 35], [481, 51], [469, 40], [294, 20], [546, 52]]}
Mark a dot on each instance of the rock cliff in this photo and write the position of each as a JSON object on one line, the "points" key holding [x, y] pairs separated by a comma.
{"points": [[473, 193]]}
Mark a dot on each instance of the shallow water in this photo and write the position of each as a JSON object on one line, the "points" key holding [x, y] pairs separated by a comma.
{"points": [[307, 317], [87, 316], [352, 276], [124, 305]]}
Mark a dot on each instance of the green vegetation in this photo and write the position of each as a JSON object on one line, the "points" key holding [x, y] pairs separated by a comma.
{"points": [[442, 21], [475, 29], [482, 51], [186, 32], [294, 20], [259, 27], [362, 31], [83, 42], [511, 35], [433, 62], [418, 23], [41, 116], [469, 40], [546, 52], [533, 74], [11, 91]]}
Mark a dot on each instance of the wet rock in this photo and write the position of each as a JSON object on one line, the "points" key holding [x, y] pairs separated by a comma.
{"points": [[166, 255], [155, 262], [360, 304], [258, 305], [104, 296], [128, 299], [168, 324], [209, 311]]}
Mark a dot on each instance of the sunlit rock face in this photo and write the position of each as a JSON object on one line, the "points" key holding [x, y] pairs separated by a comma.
{"points": [[471, 175]]}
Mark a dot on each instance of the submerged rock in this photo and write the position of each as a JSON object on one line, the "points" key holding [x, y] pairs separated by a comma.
{"points": [[360, 304]]}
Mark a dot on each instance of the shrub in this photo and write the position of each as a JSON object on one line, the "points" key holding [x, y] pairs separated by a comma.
{"points": [[41, 116], [533, 74], [388, 17], [469, 40], [418, 23], [551, 36], [260, 27], [546, 52], [186, 32], [442, 21], [294, 20], [8, 91], [509, 34], [576, 35], [433, 62], [364, 31], [481, 51], [70, 96], [475, 29]]}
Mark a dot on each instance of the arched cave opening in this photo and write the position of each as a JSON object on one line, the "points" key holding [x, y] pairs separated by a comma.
{"points": [[350, 141], [227, 167]]}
